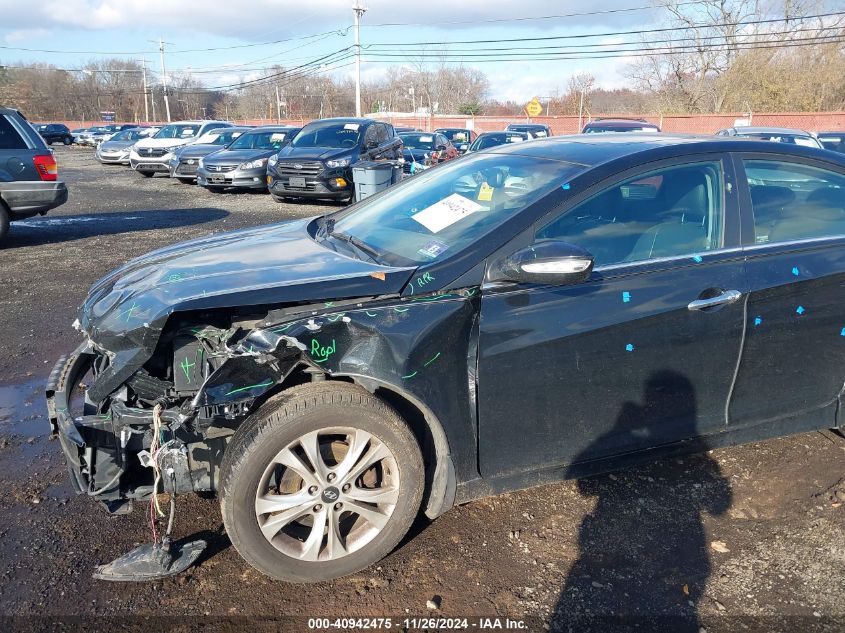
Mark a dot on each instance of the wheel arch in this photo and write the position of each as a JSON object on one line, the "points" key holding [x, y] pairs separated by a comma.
{"points": [[440, 484]]}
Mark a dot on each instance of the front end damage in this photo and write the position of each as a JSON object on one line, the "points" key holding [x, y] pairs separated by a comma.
{"points": [[165, 425]]}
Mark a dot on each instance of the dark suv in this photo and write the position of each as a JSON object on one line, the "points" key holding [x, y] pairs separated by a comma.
{"points": [[318, 162], [29, 182], [55, 133]]}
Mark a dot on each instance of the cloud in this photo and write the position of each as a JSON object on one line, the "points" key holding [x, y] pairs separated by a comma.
{"points": [[25, 35], [289, 18]]}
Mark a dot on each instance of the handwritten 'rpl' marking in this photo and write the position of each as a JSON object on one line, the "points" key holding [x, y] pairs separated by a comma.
{"points": [[321, 354]]}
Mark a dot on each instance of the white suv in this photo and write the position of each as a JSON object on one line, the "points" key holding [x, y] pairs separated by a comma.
{"points": [[152, 155]]}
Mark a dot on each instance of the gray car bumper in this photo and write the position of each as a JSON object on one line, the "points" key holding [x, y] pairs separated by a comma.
{"points": [[28, 198], [242, 178]]}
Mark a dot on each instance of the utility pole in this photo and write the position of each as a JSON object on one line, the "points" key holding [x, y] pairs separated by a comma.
{"points": [[278, 106], [359, 11], [164, 78], [146, 99]]}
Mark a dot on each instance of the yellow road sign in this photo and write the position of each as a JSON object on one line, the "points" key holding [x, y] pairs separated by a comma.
{"points": [[534, 108]]}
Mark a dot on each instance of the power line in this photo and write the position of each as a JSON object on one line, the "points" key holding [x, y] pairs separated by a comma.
{"points": [[606, 34], [641, 52], [527, 19]]}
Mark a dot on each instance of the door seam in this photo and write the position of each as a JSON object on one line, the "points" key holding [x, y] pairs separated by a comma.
{"points": [[738, 356]]}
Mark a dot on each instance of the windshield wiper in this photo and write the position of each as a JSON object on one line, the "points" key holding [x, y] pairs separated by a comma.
{"points": [[365, 248]]}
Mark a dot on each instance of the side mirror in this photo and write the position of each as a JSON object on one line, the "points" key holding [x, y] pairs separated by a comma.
{"points": [[552, 263]]}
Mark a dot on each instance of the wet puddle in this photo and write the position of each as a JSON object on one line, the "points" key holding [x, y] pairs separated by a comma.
{"points": [[23, 411]]}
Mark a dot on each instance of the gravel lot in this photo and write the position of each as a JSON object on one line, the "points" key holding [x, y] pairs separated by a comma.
{"points": [[748, 538]]}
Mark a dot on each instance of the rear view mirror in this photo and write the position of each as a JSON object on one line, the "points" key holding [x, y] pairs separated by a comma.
{"points": [[552, 263]]}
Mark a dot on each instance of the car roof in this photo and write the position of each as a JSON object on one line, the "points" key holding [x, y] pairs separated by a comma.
{"points": [[594, 149], [832, 133], [770, 130], [344, 119], [450, 129], [271, 128], [620, 123]]}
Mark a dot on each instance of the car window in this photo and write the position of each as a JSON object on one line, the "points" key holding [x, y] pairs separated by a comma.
{"points": [[9, 136], [328, 134], [669, 212], [371, 136], [792, 201], [382, 133], [441, 211], [260, 140]]}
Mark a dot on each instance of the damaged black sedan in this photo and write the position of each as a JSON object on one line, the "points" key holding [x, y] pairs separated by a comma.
{"points": [[522, 315]]}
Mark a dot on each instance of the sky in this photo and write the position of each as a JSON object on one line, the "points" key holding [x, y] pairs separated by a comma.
{"points": [[125, 28]]}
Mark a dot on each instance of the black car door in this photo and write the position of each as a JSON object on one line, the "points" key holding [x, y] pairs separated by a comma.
{"points": [[793, 365], [641, 354]]}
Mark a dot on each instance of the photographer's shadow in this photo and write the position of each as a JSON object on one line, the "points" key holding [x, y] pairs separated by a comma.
{"points": [[644, 557]]}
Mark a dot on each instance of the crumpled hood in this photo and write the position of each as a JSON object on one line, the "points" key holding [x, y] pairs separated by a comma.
{"points": [[314, 153], [233, 156], [164, 142], [273, 264]]}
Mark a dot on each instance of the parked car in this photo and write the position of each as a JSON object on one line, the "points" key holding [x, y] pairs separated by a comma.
{"points": [[488, 140], [318, 161], [87, 137], [55, 133], [116, 149], [832, 140], [598, 126], [535, 129], [185, 159], [331, 377], [243, 163], [76, 133], [775, 134], [151, 156], [29, 181], [425, 148], [461, 137]]}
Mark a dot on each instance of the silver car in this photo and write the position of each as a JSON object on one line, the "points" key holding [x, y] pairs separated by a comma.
{"points": [[116, 149], [185, 160]]}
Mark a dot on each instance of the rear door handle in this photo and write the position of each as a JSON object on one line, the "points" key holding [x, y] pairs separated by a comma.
{"points": [[727, 297]]}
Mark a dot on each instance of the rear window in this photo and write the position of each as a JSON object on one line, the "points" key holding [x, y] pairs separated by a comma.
{"points": [[9, 136]]}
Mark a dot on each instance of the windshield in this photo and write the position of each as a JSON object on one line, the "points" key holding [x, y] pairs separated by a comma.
{"points": [[439, 212], [595, 129], [806, 141], [220, 136], [328, 134], [178, 131], [536, 130], [457, 136], [127, 135], [417, 141], [260, 140], [492, 140]]}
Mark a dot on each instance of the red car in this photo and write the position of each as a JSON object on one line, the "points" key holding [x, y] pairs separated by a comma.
{"points": [[427, 148]]}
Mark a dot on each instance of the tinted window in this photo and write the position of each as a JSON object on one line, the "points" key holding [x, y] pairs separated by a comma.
{"points": [[492, 140], [597, 129], [668, 212], [833, 142], [371, 136], [328, 134], [178, 131], [792, 139], [9, 137], [793, 201], [418, 141], [260, 140], [381, 133]]}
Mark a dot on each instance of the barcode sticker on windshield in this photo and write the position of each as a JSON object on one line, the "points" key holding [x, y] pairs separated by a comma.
{"points": [[426, 139], [445, 213], [277, 137], [351, 126]]}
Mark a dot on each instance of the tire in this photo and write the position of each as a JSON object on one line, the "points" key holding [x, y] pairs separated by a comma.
{"points": [[317, 415], [278, 199], [147, 174], [4, 222], [68, 140]]}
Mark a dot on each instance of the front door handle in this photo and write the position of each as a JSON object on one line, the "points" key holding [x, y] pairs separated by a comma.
{"points": [[727, 297]]}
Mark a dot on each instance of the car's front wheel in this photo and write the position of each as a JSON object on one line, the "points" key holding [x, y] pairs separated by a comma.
{"points": [[323, 481], [67, 140]]}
